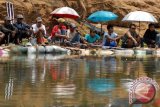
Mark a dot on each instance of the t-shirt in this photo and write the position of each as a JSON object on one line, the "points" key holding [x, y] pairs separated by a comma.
{"points": [[72, 34], [35, 28], [90, 39], [113, 35]]}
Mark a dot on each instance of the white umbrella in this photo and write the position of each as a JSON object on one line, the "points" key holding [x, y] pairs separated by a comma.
{"points": [[66, 12], [140, 16]]}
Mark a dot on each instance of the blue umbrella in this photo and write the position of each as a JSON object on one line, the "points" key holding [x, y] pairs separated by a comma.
{"points": [[102, 16], [101, 85]]}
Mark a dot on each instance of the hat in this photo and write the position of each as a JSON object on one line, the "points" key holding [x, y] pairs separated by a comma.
{"points": [[39, 19], [7, 18], [61, 20], [20, 16], [73, 25]]}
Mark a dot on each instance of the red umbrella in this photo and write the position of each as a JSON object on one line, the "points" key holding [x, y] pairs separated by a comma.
{"points": [[65, 12]]}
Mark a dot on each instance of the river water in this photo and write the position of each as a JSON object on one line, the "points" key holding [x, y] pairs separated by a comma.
{"points": [[73, 81]]}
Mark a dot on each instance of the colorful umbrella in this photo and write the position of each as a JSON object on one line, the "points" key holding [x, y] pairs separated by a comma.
{"points": [[140, 16], [65, 12], [102, 16]]}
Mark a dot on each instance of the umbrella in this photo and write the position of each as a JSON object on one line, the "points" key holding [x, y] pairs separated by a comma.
{"points": [[102, 16], [66, 12], [101, 85], [140, 16]]}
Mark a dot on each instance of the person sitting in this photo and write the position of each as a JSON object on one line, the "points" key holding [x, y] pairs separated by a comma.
{"points": [[74, 36], [9, 30], [150, 36], [23, 30], [131, 38], [59, 31], [39, 31], [92, 38], [111, 38]]}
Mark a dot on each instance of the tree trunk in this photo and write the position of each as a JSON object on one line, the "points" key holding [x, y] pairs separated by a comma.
{"points": [[66, 3], [84, 10]]}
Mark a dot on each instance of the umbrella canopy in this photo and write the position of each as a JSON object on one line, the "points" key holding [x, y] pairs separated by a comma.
{"points": [[66, 12], [140, 16], [102, 16], [101, 85]]}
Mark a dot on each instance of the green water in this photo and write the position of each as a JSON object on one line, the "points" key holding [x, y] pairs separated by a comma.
{"points": [[72, 81]]}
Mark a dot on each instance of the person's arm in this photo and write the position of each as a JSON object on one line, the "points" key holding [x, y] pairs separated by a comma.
{"points": [[86, 38], [5, 30], [45, 32], [130, 36], [109, 38], [118, 37]]}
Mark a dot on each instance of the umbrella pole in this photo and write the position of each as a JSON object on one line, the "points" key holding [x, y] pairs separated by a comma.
{"points": [[101, 29], [139, 27]]}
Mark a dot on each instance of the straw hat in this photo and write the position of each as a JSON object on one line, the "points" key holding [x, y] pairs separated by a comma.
{"points": [[39, 19], [20, 16], [61, 20], [7, 18]]}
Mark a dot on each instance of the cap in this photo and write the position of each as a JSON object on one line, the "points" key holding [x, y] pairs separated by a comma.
{"points": [[20, 16], [39, 19], [7, 18], [73, 25], [61, 20]]}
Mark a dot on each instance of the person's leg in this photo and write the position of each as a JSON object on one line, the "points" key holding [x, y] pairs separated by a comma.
{"points": [[76, 38], [142, 42], [158, 40], [2, 35]]}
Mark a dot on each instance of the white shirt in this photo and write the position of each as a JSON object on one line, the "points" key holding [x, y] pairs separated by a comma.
{"points": [[35, 28], [113, 35]]}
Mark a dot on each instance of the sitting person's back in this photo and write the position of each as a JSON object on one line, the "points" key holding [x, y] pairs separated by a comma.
{"points": [[150, 36], [92, 37], [110, 38], [131, 38]]}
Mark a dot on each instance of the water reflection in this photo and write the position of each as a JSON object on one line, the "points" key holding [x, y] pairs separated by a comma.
{"points": [[72, 81]]}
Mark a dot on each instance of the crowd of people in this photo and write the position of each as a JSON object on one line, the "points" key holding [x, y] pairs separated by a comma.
{"points": [[67, 34]]}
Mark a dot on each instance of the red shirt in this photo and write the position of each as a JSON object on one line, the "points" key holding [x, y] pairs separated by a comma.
{"points": [[56, 29]]}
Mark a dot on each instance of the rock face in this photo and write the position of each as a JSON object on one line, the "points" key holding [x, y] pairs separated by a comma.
{"points": [[33, 8]]}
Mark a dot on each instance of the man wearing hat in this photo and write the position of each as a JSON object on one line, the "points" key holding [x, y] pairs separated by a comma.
{"points": [[9, 30], [59, 31], [23, 30], [39, 31]]}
